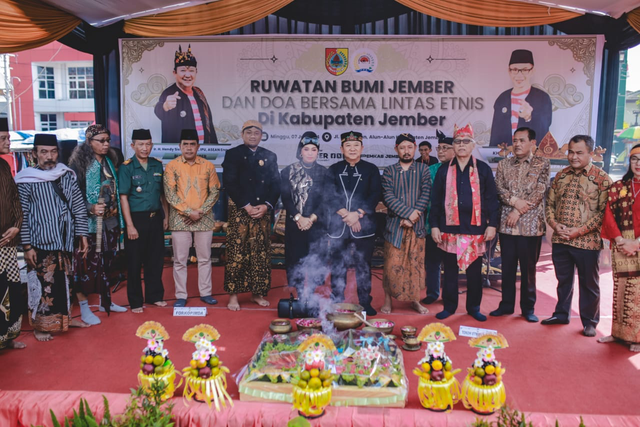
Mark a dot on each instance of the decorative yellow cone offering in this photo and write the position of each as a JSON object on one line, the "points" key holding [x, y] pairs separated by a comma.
{"points": [[438, 388], [155, 364], [205, 378], [483, 390], [312, 386]]}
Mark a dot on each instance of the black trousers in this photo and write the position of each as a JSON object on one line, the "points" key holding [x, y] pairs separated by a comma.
{"points": [[566, 259], [148, 251], [432, 263], [523, 250], [305, 256], [341, 260], [450, 286]]}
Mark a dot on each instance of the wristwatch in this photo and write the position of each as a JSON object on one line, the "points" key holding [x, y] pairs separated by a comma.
{"points": [[297, 217]]}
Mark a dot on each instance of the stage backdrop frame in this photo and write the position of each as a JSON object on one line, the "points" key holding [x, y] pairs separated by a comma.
{"points": [[458, 79]]}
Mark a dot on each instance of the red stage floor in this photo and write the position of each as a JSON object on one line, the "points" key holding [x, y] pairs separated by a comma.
{"points": [[552, 371]]}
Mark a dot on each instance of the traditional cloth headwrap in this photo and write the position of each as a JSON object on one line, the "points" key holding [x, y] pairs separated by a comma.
{"points": [[307, 138], [251, 124], [521, 56], [45, 140], [350, 136], [184, 59], [141, 135], [462, 132], [451, 196], [405, 137], [4, 124], [635, 150], [188, 135], [94, 130]]}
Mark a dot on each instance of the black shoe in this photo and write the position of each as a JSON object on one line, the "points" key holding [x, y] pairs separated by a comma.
{"points": [[554, 320], [478, 316], [429, 300], [443, 315], [209, 300], [500, 312], [589, 331], [531, 318], [370, 310]]}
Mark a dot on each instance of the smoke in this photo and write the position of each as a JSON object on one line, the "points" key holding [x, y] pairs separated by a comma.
{"points": [[314, 270]]}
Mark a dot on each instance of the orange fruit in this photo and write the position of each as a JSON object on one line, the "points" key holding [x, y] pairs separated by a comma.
{"points": [[215, 371], [426, 376], [490, 369], [326, 383], [302, 384], [477, 380], [325, 374], [194, 373], [158, 360], [315, 383], [148, 360], [447, 366], [194, 364], [305, 375], [214, 361], [479, 372], [426, 367], [498, 370], [436, 365], [143, 358], [201, 364], [448, 375], [314, 373]]}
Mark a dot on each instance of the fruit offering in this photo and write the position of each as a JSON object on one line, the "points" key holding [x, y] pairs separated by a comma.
{"points": [[438, 388], [483, 390], [312, 390], [155, 364], [205, 376]]}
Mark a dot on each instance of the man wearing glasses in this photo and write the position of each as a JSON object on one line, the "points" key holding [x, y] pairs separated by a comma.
{"points": [[521, 106], [433, 259], [464, 215]]}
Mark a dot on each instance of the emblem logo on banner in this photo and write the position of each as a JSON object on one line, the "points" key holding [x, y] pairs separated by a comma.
{"points": [[365, 60], [336, 60]]}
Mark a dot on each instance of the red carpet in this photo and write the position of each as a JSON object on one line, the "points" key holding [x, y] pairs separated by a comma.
{"points": [[552, 371]]}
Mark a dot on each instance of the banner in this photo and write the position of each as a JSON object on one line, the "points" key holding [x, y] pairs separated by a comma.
{"points": [[380, 86]]}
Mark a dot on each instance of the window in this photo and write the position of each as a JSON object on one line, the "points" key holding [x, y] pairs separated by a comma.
{"points": [[46, 84], [80, 82], [48, 122], [75, 124]]}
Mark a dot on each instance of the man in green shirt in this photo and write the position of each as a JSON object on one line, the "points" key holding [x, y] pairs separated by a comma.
{"points": [[146, 216]]}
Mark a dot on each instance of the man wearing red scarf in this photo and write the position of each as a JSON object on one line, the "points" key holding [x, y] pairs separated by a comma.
{"points": [[464, 215]]}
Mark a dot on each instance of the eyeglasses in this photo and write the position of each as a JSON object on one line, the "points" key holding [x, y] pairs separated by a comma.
{"points": [[523, 71], [465, 141], [634, 159], [309, 140], [444, 148], [102, 141]]}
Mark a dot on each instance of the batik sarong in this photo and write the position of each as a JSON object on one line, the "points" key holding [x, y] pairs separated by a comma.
{"points": [[404, 274], [248, 266], [49, 291], [11, 296]]}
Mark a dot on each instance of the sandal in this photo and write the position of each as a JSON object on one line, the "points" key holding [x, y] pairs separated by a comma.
{"points": [[137, 310]]}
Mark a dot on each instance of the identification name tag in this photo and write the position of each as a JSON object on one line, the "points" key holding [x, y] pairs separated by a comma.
{"points": [[190, 311]]}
